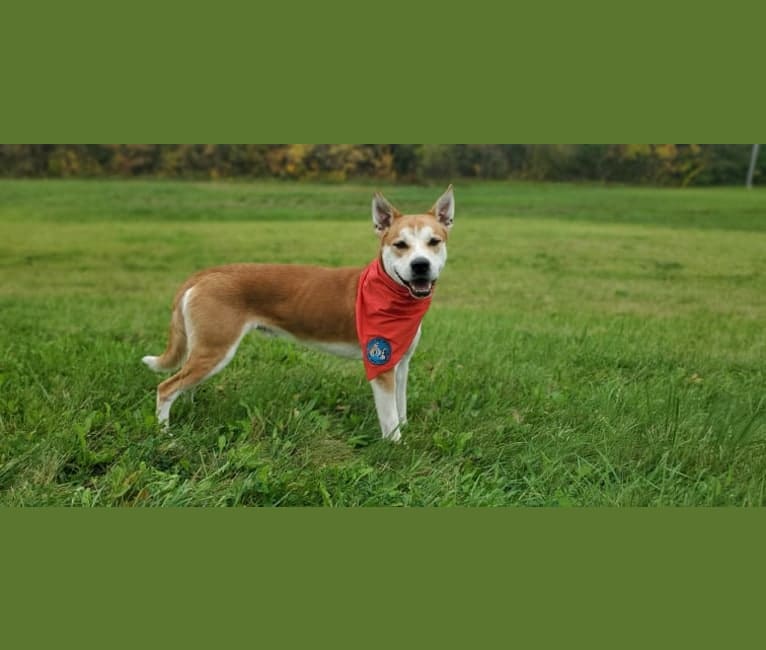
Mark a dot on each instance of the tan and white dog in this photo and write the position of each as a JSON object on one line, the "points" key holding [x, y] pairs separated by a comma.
{"points": [[215, 308]]}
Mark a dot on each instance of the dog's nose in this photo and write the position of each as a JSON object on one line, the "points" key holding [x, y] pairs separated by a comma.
{"points": [[420, 266]]}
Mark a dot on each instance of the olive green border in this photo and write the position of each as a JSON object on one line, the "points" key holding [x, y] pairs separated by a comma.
{"points": [[401, 72], [404, 72], [377, 577]]}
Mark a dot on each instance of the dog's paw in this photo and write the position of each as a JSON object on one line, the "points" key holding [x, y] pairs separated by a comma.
{"points": [[394, 436]]}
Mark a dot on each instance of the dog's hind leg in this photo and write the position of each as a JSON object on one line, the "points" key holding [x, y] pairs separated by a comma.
{"points": [[212, 341], [200, 365]]}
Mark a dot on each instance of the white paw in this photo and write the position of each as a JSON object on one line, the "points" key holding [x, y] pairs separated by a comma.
{"points": [[394, 436], [163, 418]]}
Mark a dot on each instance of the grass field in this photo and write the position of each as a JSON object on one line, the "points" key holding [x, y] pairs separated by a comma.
{"points": [[586, 346]]}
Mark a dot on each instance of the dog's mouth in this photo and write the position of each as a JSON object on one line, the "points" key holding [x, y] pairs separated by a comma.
{"points": [[419, 287]]}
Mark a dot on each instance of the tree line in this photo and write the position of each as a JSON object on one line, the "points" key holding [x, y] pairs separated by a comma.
{"points": [[654, 164]]}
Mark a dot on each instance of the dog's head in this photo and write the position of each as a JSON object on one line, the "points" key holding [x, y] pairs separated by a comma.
{"points": [[413, 248]]}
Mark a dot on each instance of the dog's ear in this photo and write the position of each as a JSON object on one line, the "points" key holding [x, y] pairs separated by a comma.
{"points": [[383, 213], [444, 208]]}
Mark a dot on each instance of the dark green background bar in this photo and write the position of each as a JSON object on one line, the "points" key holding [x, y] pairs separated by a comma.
{"points": [[399, 72], [358, 578]]}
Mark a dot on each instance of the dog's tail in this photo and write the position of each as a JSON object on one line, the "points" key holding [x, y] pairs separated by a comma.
{"points": [[175, 352]]}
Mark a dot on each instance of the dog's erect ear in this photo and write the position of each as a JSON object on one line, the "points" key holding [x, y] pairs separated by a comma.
{"points": [[444, 208], [383, 213]]}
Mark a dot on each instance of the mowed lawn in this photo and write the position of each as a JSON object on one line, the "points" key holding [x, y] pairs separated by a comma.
{"points": [[586, 346]]}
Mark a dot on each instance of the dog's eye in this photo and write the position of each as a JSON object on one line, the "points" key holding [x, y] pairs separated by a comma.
{"points": [[401, 245], [434, 241]]}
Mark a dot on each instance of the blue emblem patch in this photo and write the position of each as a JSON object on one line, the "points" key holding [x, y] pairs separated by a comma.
{"points": [[378, 351]]}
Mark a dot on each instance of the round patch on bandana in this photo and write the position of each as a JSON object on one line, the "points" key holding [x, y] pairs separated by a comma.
{"points": [[378, 351]]}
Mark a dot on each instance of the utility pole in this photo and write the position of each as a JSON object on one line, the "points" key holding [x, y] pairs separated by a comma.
{"points": [[751, 170]]}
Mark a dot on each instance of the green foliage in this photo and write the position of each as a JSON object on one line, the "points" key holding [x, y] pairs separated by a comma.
{"points": [[654, 164], [587, 346], [436, 161]]}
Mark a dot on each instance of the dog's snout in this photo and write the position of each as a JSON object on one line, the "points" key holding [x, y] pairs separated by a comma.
{"points": [[420, 266]]}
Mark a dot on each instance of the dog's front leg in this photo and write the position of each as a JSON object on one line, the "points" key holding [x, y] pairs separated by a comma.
{"points": [[384, 392], [402, 370]]}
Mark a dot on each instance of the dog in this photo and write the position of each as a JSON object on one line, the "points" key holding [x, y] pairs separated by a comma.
{"points": [[373, 312]]}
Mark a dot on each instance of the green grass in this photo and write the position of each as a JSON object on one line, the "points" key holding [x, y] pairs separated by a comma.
{"points": [[586, 346]]}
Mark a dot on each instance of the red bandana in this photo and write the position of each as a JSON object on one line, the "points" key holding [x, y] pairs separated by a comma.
{"points": [[387, 319]]}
